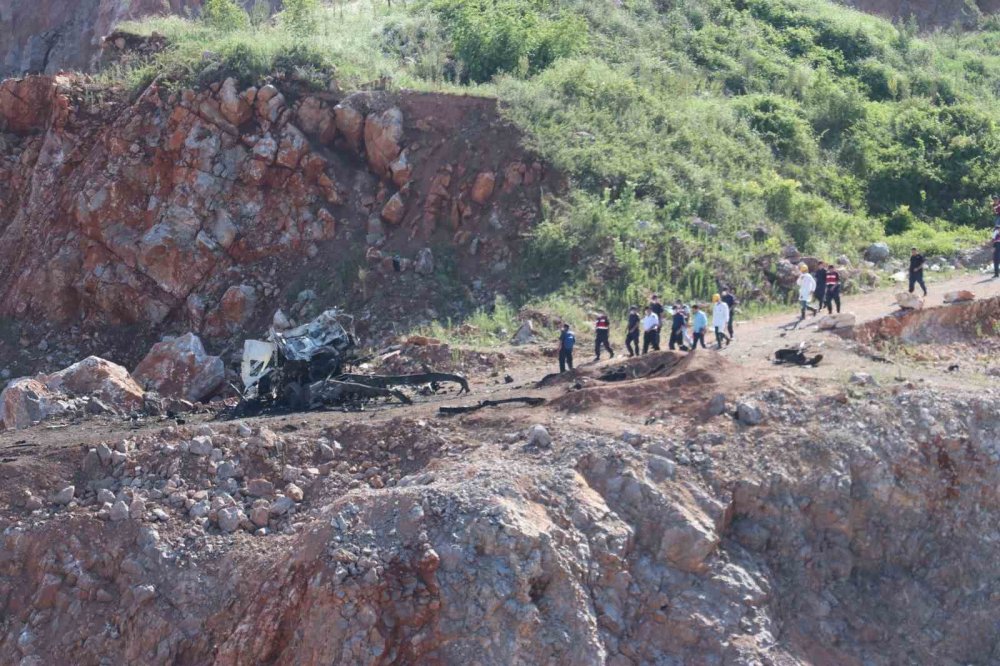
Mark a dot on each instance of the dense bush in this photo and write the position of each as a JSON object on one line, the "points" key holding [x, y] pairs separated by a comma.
{"points": [[491, 37], [224, 15]]}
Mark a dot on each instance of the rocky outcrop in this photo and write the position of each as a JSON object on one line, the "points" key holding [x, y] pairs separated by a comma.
{"points": [[192, 211], [955, 323], [93, 385], [180, 368]]}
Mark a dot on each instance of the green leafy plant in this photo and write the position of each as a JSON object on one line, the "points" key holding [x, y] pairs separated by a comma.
{"points": [[224, 15]]}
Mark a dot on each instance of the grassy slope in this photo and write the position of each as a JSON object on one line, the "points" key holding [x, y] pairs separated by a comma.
{"points": [[820, 125]]}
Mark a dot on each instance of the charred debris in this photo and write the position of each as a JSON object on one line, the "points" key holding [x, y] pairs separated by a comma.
{"points": [[314, 366]]}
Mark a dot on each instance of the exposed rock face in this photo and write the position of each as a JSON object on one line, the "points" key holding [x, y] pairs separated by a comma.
{"points": [[180, 368], [26, 401], [184, 212], [47, 36], [959, 322]]}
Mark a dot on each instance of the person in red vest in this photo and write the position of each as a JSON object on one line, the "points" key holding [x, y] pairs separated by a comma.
{"points": [[602, 333], [832, 289]]}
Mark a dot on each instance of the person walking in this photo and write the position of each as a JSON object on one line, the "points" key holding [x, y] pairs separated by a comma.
{"points": [[720, 318], [650, 331], [632, 332], [602, 336], [833, 286], [820, 275], [996, 250], [917, 270], [656, 306], [730, 300], [566, 343], [699, 324], [807, 287], [677, 325]]}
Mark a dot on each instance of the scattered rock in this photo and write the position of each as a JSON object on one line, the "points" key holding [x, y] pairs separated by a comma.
{"points": [[717, 405], [834, 321], [64, 496], [862, 379], [524, 335], [749, 414], [180, 368], [229, 519], [119, 511], [959, 297], [908, 301], [294, 492], [877, 253], [539, 437]]}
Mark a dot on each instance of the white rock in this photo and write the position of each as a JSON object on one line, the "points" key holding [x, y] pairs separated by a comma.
{"points": [[64, 496], [230, 518], [200, 446]]}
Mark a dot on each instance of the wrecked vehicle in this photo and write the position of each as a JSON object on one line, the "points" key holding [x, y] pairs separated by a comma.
{"points": [[304, 368]]}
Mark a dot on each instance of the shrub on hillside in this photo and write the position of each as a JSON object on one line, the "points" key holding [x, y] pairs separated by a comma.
{"points": [[507, 36], [224, 15], [300, 17]]}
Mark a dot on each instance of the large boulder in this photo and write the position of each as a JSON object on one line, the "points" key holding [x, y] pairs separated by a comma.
{"points": [[909, 301], [26, 401], [839, 320], [237, 305], [960, 296], [180, 368], [877, 253], [98, 378], [383, 134]]}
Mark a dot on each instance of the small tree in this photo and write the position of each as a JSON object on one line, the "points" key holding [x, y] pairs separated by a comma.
{"points": [[301, 17], [224, 15]]}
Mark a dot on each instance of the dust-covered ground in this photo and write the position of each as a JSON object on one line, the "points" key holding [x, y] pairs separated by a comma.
{"points": [[705, 508]]}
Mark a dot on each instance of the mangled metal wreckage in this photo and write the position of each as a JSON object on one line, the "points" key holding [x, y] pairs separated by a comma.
{"points": [[304, 368]]}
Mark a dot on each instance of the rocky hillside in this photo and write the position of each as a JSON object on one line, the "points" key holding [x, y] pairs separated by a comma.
{"points": [[667, 510], [209, 210]]}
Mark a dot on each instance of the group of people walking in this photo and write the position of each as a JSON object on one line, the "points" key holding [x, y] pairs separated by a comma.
{"points": [[688, 325], [824, 284]]}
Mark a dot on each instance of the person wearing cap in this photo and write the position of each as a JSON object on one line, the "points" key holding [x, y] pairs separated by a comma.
{"points": [[807, 287], [996, 250], [917, 270], [632, 332], [602, 336], [720, 318], [650, 331], [699, 323]]}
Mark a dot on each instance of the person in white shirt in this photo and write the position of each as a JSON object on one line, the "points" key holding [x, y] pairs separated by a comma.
{"points": [[807, 286], [650, 331], [720, 318]]}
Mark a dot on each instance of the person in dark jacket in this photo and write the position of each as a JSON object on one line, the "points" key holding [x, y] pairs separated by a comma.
{"points": [[602, 336], [566, 343], [917, 262], [677, 325], [632, 333], [731, 302], [833, 286], [820, 276]]}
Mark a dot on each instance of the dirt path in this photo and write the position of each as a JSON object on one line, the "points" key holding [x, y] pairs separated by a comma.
{"points": [[757, 339]]}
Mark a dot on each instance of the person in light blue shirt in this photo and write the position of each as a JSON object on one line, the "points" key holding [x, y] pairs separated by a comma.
{"points": [[699, 324]]}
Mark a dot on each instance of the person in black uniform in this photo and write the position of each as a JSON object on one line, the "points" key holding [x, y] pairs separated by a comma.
{"points": [[730, 300], [677, 328], [996, 250], [632, 333], [820, 276], [917, 270]]}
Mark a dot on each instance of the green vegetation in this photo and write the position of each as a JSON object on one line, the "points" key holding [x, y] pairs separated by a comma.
{"points": [[776, 121]]}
